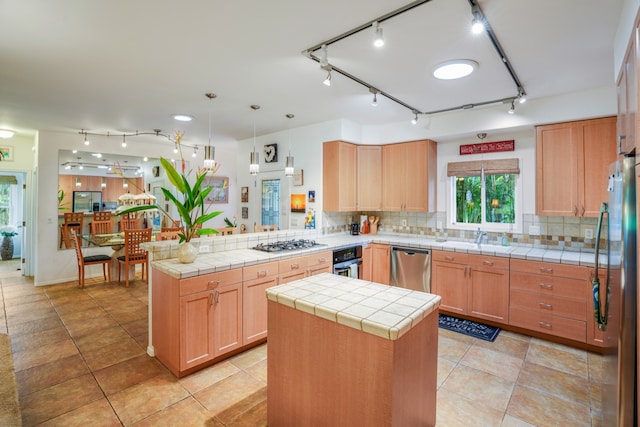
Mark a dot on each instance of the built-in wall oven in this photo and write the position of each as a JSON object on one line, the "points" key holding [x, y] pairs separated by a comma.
{"points": [[348, 262]]}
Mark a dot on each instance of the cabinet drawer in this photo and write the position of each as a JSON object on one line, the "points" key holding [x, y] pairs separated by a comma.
{"points": [[550, 269], [210, 281], [548, 324], [321, 258], [292, 265], [453, 257], [547, 304], [259, 271], [549, 285], [489, 261]]}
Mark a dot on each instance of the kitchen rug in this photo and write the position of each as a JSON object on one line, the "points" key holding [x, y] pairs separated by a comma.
{"points": [[468, 327]]}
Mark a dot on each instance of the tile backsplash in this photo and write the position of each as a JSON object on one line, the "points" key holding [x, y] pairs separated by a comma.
{"points": [[566, 233]]}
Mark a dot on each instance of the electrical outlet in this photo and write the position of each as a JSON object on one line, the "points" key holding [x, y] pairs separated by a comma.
{"points": [[534, 230], [404, 222], [204, 248], [588, 233]]}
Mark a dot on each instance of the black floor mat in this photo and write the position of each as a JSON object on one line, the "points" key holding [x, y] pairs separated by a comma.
{"points": [[468, 327]]}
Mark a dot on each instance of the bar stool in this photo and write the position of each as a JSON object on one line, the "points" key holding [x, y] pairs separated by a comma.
{"points": [[72, 221], [102, 216], [271, 227]]}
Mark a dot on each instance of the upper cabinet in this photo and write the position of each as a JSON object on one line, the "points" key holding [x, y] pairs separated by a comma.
{"points": [[339, 176], [572, 164], [409, 176], [369, 178], [627, 89]]}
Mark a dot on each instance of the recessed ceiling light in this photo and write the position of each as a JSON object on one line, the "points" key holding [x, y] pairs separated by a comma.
{"points": [[6, 133], [455, 69], [182, 117]]}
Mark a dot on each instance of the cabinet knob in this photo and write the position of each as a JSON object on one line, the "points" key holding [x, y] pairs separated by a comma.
{"points": [[487, 262], [262, 273], [295, 266], [575, 210], [213, 284], [582, 211], [322, 260], [449, 258]]}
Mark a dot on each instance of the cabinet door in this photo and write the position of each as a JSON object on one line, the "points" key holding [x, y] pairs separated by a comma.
{"points": [[339, 176], [556, 170], [227, 319], [320, 263], [489, 294], [367, 262], [393, 177], [449, 280], [196, 329], [254, 310], [369, 179], [599, 148], [381, 265], [420, 179]]}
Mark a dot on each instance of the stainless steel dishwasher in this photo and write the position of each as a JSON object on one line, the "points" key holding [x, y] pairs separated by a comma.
{"points": [[411, 268]]}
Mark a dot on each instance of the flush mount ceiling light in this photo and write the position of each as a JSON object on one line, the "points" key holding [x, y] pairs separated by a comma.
{"points": [[455, 69], [4, 134], [182, 117], [378, 39]]}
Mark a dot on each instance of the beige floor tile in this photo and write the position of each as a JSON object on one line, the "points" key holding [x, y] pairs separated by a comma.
{"points": [[44, 354], [136, 327], [454, 410], [250, 357], [41, 314], [49, 374], [90, 325], [543, 409], [111, 354], [33, 326], [98, 413], [187, 412], [485, 389], [493, 362], [561, 384], [455, 336], [107, 336], [64, 307], [120, 376], [444, 369], [510, 421], [142, 400], [208, 376], [258, 371], [558, 357], [27, 307], [226, 393], [250, 411], [452, 349], [39, 338], [508, 344]]}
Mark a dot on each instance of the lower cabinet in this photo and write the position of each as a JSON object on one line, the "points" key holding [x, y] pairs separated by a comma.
{"points": [[257, 278], [320, 263], [472, 285], [381, 263], [367, 261]]}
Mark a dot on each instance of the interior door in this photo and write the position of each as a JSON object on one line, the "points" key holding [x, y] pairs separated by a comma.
{"points": [[270, 206]]}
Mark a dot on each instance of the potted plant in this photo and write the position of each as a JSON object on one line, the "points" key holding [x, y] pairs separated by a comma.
{"points": [[191, 206], [6, 247]]}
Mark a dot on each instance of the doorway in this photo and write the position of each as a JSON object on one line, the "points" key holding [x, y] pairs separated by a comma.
{"points": [[12, 216], [270, 209]]}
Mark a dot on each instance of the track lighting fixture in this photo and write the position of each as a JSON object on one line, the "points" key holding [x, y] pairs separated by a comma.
{"points": [[288, 168], [323, 56], [512, 110], [327, 80], [124, 141], [254, 166], [415, 118], [194, 154], [209, 151], [378, 39], [86, 141], [477, 24], [522, 97], [374, 101]]}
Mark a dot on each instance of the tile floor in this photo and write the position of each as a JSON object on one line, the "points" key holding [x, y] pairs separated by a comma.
{"points": [[80, 360]]}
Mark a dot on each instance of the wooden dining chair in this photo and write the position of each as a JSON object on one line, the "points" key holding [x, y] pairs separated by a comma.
{"points": [[72, 221], [163, 229], [167, 235], [129, 224], [83, 261], [102, 216], [133, 253], [224, 231], [272, 227], [101, 227]]}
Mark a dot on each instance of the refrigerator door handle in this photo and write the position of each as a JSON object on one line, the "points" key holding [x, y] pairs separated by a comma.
{"points": [[601, 313]]}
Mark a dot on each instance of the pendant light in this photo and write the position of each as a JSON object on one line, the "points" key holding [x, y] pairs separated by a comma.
{"points": [[254, 166], [288, 169], [209, 151]]}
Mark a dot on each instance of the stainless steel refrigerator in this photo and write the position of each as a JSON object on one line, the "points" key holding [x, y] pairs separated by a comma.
{"points": [[87, 201], [615, 295]]}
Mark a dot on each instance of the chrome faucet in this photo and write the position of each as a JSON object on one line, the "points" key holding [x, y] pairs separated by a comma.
{"points": [[479, 235]]}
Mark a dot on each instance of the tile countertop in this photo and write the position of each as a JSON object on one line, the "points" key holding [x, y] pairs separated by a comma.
{"points": [[221, 253], [381, 310]]}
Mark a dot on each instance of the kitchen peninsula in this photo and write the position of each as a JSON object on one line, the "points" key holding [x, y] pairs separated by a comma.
{"points": [[344, 351]]}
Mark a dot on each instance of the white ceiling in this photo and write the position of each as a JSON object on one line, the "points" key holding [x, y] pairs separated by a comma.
{"points": [[122, 65]]}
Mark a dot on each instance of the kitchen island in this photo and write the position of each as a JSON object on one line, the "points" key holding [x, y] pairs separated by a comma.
{"points": [[345, 351]]}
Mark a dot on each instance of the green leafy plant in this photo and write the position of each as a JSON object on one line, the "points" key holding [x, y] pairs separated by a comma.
{"points": [[230, 223], [61, 196], [193, 208], [8, 231]]}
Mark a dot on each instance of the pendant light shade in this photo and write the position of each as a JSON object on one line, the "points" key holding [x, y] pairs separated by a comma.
{"points": [[254, 166], [209, 151], [288, 169], [78, 182]]}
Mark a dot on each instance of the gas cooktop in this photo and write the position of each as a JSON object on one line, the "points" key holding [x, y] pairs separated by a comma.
{"points": [[287, 245]]}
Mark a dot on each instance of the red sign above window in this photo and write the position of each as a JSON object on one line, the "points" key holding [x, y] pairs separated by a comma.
{"points": [[487, 147]]}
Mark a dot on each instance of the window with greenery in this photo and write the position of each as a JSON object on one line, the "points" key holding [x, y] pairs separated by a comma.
{"points": [[484, 192], [5, 203]]}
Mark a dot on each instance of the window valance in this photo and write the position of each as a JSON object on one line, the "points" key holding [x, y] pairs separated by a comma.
{"points": [[491, 167]]}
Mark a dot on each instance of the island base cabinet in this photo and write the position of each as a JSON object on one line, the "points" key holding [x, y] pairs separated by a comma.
{"points": [[324, 373]]}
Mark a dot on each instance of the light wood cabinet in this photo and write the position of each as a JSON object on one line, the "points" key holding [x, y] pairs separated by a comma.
{"points": [[367, 262], [572, 164], [472, 285], [256, 280], [320, 263], [339, 169], [627, 90], [409, 176], [381, 263], [292, 269], [226, 302], [369, 178]]}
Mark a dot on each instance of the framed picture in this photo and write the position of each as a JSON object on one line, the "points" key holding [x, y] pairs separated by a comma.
{"points": [[298, 177], [6, 153], [245, 212], [244, 194], [312, 196], [298, 203], [220, 192]]}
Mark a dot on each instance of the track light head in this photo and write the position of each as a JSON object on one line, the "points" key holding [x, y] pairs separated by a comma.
{"points": [[415, 118], [327, 80], [512, 110], [375, 92], [477, 23], [378, 39]]}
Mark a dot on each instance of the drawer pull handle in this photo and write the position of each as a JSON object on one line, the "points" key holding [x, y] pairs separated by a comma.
{"points": [[211, 298], [545, 325], [217, 297], [546, 270], [295, 266], [546, 286], [262, 273], [448, 258], [486, 262], [322, 260], [546, 306]]}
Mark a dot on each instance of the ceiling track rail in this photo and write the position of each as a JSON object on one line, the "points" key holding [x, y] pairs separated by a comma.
{"points": [[309, 53]]}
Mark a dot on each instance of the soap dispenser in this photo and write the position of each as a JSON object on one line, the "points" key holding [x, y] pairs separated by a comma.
{"points": [[505, 240]]}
